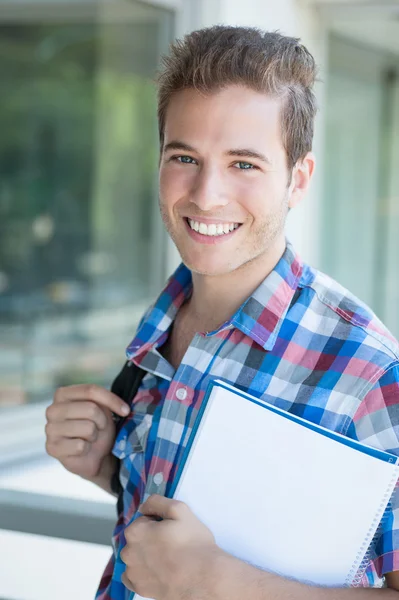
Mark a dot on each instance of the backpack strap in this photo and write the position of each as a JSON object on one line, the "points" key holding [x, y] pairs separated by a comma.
{"points": [[125, 385]]}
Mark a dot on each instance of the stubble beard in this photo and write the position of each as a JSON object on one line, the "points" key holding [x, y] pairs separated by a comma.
{"points": [[266, 235], [271, 230]]}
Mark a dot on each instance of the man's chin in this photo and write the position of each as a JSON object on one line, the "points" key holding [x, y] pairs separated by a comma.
{"points": [[211, 262], [208, 270]]}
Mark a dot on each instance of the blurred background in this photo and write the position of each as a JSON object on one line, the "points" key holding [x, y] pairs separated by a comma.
{"points": [[82, 248]]}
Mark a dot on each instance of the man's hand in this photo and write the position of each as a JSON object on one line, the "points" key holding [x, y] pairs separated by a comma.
{"points": [[177, 559], [80, 430], [167, 559]]}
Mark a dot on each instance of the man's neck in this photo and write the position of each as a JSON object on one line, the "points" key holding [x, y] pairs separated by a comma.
{"points": [[215, 299]]}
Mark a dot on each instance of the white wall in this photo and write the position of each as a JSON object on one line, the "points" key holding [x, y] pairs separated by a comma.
{"points": [[35, 567], [291, 18]]}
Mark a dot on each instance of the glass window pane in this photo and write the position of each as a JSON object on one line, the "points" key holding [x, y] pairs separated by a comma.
{"points": [[80, 239], [361, 218]]}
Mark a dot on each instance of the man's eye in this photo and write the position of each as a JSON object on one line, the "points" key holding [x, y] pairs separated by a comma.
{"points": [[245, 166], [187, 160]]}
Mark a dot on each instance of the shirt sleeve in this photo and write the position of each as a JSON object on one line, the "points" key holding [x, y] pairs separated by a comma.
{"points": [[376, 424]]}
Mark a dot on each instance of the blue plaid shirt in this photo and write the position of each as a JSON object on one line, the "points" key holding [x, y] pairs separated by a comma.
{"points": [[300, 342]]}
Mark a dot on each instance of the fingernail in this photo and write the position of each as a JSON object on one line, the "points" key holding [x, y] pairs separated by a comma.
{"points": [[125, 410]]}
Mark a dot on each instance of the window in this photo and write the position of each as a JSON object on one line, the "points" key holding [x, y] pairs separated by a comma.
{"points": [[361, 215], [81, 256], [80, 237]]}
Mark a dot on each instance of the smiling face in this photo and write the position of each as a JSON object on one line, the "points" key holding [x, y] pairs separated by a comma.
{"points": [[224, 192]]}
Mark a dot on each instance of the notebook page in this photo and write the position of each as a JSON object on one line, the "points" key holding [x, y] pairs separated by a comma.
{"points": [[303, 491], [310, 500]]}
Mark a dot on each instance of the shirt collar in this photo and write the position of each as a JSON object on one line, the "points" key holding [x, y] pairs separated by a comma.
{"points": [[161, 315], [260, 316], [263, 313]]}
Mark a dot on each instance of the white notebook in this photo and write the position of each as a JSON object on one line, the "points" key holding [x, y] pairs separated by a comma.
{"points": [[314, 500]]}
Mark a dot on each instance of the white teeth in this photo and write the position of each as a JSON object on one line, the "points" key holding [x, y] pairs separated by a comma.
{"points": [[212, 229]]}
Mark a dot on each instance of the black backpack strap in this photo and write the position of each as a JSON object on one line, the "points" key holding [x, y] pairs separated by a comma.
{"points": [[125, 385]]}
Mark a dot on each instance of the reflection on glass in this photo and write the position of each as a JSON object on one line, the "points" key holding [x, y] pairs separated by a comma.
{"points": [[80, 243]]}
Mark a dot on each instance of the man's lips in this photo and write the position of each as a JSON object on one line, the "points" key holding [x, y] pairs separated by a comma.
{"points": [[209, 239]]}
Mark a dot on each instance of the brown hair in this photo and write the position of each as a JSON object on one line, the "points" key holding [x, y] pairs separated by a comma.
{"points": [[213, 58]]}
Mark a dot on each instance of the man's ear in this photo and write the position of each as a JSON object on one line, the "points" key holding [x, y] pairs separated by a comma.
{"points": [[301, 177]]}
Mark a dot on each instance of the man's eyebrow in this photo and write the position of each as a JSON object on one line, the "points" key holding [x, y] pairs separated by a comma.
{"points": [[248, 153], [177, 145]]}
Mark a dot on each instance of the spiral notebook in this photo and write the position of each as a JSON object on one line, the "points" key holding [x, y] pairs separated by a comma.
{"points": [[284, 494]]}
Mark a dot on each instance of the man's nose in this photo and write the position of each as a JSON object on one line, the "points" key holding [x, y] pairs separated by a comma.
{"points": [[209, 190]]}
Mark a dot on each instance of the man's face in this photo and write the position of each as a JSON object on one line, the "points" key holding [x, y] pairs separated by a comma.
{"points": [[223, 178]]}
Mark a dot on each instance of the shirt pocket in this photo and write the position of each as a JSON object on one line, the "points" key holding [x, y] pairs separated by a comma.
{"points": [[132, 438], [130, 448], [131, 443]]}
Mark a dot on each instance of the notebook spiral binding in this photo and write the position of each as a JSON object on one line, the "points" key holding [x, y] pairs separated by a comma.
{"points": [[362, 558]]}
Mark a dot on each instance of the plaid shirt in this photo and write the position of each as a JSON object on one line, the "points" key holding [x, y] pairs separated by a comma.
{"points": [[301, 342]]}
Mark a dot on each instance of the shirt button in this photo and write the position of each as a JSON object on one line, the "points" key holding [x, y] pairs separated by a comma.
{"points": [[158, 478], [181, 394]]}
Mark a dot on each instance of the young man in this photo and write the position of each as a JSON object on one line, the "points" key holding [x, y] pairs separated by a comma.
{"points": [[236, 113]]}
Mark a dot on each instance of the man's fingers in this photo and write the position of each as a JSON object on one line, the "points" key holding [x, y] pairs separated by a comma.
{"points": [[64, 448], [138, 530], [93, 393], [82, 429], [165, 508], [74, 411]]}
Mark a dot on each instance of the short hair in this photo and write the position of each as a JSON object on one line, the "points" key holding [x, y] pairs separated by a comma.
{"points": [[213, 58]]}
